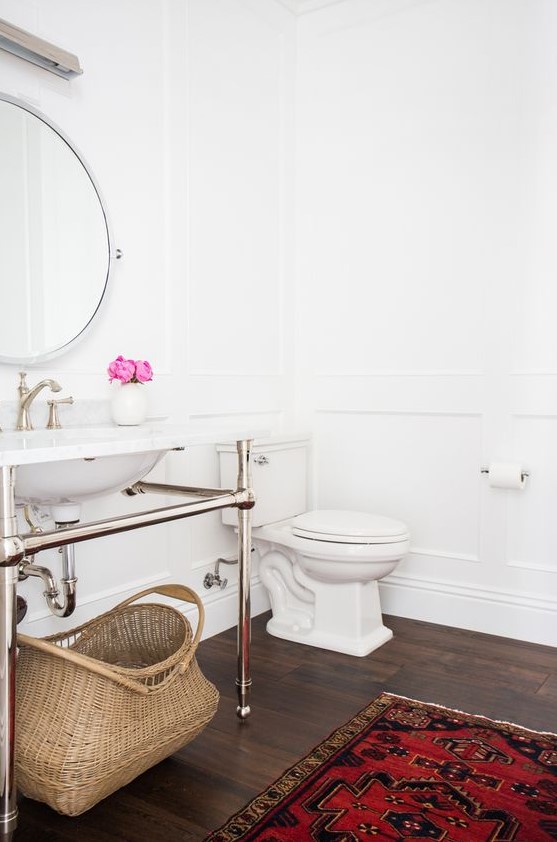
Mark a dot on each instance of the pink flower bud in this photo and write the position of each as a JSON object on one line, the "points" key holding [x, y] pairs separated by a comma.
{"points": [[143, 371], [121, 369]]}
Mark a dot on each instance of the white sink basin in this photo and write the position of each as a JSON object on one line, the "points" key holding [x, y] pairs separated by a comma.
{"points": [[75, 480], [69, 466]]}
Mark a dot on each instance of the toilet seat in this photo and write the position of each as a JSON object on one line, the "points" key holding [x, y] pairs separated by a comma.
{"points": [[348, 527]]}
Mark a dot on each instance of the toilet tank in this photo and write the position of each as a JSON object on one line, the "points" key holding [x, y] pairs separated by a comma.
{"points": [[279, 477]]}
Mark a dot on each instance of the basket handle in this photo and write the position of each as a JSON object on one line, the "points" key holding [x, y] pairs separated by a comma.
{"points": [[186, 594], [175, 591], [83, 661], [92, 665]]}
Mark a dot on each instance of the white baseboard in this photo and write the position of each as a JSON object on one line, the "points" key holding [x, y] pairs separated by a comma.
{"points": [[506, 614], [503, 613]]}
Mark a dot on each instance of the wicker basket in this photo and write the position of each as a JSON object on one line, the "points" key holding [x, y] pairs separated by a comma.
{"points": [[99, 704]]}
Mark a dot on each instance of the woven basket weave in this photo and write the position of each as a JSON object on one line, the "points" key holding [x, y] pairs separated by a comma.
{"points": [[100, 704]]}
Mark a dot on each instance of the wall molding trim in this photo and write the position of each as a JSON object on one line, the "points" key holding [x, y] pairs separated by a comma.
{"points": [[370, 373], [543, 416], [420, 412], [474, 559], [504, 613], [535, 372], [538, 566], [235, 413], [233, 373], [302, 7]]}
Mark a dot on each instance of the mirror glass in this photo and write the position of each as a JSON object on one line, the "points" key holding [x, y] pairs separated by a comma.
{"points": [[54, 238]]}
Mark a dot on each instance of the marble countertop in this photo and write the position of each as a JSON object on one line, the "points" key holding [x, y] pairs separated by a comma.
{"points": [[38, 446]]}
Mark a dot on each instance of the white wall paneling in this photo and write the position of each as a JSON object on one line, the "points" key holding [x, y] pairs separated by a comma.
{"points": [[532, 543], [184, 113], [416, 467], [425, 258], [238, 81]]}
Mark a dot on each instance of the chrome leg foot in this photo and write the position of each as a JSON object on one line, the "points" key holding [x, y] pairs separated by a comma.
{"points": [[243, 710]]}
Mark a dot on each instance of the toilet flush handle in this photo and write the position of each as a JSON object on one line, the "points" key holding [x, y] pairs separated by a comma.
{"points": [[261, 460]]}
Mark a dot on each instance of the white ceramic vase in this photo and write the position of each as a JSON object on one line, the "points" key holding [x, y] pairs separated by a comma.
{"points": [[129, 404]]}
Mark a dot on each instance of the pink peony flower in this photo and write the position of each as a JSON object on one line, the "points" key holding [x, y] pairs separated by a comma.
{"points": [[143, 371], [121, 369], [129, 371]]}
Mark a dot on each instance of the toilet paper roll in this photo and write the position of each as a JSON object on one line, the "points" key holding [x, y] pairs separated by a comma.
{"points": [[506, 475]]}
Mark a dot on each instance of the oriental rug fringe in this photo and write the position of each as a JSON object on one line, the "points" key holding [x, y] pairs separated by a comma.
{"points": [[404, 770]]}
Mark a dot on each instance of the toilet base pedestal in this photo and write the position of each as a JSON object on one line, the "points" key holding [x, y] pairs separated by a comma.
{"points": [[333, 643], [345, 617]]}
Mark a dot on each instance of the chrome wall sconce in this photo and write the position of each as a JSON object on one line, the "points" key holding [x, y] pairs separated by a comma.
{"points": [[42, 53]]}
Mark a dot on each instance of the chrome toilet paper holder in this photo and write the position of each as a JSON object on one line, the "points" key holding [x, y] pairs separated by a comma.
{"points": [[523, 474]]}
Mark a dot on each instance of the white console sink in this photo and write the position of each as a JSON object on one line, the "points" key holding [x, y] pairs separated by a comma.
{"points": [[68, 466]]}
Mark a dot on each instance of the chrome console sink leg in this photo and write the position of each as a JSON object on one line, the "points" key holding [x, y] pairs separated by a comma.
{"points": [[11, 553], [8, 596], [243, 680]]}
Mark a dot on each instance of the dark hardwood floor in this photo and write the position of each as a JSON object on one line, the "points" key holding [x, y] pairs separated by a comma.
{"points": [[300, 694]]}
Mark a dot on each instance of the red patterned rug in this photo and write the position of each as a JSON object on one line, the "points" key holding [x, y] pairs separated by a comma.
{"points": [[403, 770]]}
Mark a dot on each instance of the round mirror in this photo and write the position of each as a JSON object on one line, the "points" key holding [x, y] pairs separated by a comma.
{"points": [[55, 244]]}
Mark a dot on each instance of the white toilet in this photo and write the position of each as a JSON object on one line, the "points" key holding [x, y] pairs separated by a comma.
{"points": [[321, 567]]}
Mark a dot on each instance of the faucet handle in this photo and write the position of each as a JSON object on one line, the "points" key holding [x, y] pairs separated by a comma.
{"points": [[53, 420], [22, 381]]}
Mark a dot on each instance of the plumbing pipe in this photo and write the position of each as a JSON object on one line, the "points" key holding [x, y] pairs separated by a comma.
{"points": [[51, 592], [68, 579]]}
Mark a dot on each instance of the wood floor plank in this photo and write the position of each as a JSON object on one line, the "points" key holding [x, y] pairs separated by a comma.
{"points": [[548, 689]]}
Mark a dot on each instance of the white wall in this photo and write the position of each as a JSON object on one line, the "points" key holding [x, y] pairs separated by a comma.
{"points": [[184, 114], [427, 194], [423, 345]]}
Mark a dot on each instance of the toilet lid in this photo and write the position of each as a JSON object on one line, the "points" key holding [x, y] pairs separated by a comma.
{"points": [[344, 527]]}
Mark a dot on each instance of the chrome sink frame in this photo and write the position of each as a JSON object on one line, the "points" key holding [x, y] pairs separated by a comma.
{"points": [[14, 547]]}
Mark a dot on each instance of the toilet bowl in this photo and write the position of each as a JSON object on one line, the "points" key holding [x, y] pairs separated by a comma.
{"points": [[320, 568]]}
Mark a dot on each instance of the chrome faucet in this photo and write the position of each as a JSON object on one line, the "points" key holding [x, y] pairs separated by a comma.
{"points": [[27, 396]]}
